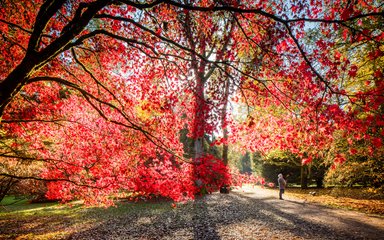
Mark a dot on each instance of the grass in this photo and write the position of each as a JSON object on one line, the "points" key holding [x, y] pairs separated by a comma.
{"points": [[21, 205], [13, 200], [24, 220]]}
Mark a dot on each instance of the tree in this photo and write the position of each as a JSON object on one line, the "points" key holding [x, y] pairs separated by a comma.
{"points": [[284, 114], [361, 164], [132, 62], [360, 151]]}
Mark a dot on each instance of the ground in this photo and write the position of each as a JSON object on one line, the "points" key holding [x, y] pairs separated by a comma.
{"points": [[246, 213], [368, 200]]}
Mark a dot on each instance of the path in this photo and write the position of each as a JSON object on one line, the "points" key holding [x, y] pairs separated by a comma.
{"points": [[248, 213], [356, 224]]}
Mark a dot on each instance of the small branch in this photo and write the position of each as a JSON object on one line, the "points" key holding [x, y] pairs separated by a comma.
{"points": [[50, 180], [35, 120], [22, 29], [142, 6], [305, 57], [319, 20]]}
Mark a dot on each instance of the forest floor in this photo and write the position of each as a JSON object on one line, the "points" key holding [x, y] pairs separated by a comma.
{"points": [[245, 213]]}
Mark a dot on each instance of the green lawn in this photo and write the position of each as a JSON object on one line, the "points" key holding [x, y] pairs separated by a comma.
{"points": [[24, 220]]}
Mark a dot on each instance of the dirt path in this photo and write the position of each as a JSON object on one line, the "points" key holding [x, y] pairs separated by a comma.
{"points": [[354, 223], [244, 214]]}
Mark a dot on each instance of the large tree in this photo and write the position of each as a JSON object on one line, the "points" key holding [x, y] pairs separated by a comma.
{"points": [[144, 66]]}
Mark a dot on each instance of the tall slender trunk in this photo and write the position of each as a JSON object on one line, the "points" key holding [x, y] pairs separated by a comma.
{"points": [[199, 120], [224, 124], [304, 176]]}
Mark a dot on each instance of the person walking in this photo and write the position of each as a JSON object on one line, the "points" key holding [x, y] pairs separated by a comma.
{"points": [[282, 184]]}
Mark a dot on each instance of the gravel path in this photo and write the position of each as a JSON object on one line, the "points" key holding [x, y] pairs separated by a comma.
{"points": [[247, 213]]}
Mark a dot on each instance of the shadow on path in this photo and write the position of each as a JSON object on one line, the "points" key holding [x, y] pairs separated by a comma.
{"points": [[238, 215]]}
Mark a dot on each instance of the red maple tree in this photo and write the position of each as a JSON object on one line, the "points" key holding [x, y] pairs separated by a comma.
{"points": [[97, 92]]}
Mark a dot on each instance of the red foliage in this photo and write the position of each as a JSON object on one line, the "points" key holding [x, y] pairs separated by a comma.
{"points": [[150, 179], [239, 179], [210, 174], [103, 111]]}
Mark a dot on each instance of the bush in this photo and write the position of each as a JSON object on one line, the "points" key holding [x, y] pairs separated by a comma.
{"points": [[350, 173]]}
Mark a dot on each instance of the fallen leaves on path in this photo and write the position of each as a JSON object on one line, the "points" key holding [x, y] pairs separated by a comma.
{"points": [[356, 199]]}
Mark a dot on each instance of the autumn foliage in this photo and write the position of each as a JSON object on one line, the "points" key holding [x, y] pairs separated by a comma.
{"points": [[94, 95]]}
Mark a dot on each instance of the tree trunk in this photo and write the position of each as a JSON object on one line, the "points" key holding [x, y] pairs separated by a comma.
{"points": [[224, 124], [5, 185], [198, 148], [225, 151], [304, 176], [14, 82], [199, 118], [319, 182]]}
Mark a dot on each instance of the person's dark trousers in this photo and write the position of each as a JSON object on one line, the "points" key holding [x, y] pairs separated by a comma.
{"points": [[281, 193]]}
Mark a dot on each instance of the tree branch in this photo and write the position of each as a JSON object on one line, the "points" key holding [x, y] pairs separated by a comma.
{"points": [[52, 180], [88, 96], [47, 10]]}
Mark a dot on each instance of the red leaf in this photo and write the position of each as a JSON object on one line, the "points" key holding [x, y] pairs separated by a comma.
{"points": [[353, 71], [377, 142], [378, 74], [347, 13], [353, 151], [306, 160]]}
